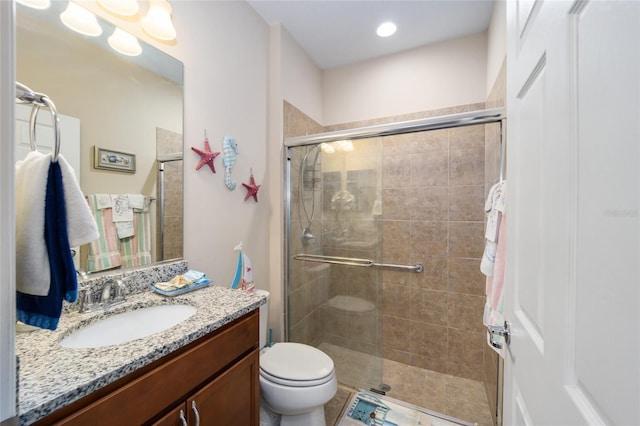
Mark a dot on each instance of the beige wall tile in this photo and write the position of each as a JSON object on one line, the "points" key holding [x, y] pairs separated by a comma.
{"points": [[465, 276], [428, 239], [429, 340], [395, 299], [465, 311], [434, 276], [465, 347], [396, 241], [429, 203], [466, 239], [429, 306], [397, 333], [396, 203], [428, 169], [466, 203]]}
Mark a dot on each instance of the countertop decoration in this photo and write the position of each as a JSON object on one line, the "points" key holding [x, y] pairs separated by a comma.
{"points": [[51, 377]]}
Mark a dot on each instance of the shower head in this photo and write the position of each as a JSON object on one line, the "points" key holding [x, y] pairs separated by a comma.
{"points": [[307, 237]]}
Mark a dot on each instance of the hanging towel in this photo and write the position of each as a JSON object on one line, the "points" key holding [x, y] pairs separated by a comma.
{"points": [[81, 226], [136, 201], [104, 253], [494, 307], [494, 208], [495, 255], [44, 311], [103, 201], [32, 261], [136, 250]]}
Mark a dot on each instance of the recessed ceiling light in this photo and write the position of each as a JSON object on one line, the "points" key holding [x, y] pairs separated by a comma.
{"points": [[386, 29]]}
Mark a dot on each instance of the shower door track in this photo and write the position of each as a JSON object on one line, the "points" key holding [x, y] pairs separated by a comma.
{"points": [[432, 123]]}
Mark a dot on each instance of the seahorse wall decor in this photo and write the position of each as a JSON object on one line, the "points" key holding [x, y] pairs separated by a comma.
{"points": [[230, 149]]}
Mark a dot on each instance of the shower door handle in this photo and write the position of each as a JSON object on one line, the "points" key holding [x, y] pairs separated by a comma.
{"points": [[497, 330]]}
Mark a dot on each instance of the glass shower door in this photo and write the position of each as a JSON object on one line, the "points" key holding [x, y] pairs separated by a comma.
{"points": [[334, 209]]}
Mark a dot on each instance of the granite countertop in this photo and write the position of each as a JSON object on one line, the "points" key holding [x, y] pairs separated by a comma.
{"points": [[51, 377]]}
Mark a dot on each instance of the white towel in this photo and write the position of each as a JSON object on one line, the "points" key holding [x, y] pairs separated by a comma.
{"points": [[32, 260], [122, 211], [103, 201], [81, 226], [136, 201]]}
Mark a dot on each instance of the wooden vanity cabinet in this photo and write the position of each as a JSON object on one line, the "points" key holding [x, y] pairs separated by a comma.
{"points": [[223, 402], [218, 373]]}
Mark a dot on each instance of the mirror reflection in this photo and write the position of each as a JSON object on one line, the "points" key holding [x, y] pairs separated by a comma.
{"points": [[125, 108]]}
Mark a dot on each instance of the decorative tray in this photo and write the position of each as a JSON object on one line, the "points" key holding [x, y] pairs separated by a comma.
{"points": [[191, 287]]}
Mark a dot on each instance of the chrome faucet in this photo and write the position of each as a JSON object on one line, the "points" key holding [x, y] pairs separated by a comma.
{"points": [[112, 293]]}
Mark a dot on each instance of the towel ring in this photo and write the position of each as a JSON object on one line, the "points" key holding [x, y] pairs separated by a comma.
{"points": [[43, 100]]}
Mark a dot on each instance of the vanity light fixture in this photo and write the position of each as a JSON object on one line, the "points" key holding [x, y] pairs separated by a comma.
{"points": [[35, 4], [125, 43], [386, 29], [80, 20], [157, 22], [120, 7]]}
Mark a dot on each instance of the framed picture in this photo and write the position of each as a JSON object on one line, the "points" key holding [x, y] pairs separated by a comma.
{"points": [[107, 159]]}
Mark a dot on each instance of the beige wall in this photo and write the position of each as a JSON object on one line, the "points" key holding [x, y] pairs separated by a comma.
{"points": [[303, 80], [431, 77]]}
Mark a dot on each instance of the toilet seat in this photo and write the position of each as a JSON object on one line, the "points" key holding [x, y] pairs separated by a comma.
{"points": [[296, 365]]}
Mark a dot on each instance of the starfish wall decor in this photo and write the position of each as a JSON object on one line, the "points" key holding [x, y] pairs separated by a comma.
{"points": [[252, 188], [206, 156]]}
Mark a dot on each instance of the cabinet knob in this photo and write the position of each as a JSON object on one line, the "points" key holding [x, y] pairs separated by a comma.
{"points": [[195, 412]]}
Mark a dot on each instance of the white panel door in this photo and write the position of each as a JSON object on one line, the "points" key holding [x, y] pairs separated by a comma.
{"points": [[69, 135], [573, 235]]}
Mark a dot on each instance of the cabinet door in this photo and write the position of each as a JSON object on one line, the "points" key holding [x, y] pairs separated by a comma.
{"points": [[231, 399], [176, 417]]}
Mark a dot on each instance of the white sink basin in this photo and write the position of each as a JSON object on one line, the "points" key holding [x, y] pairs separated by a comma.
{"points": [[128, 326]]}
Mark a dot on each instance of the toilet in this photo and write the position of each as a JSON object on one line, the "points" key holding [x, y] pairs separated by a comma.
{"points": [[296, 380]]}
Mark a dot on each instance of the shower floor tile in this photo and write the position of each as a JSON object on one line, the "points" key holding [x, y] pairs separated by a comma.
{"points": [[457, 397]]}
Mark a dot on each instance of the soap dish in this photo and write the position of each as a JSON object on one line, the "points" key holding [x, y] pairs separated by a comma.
{"points": [[192, 287]]}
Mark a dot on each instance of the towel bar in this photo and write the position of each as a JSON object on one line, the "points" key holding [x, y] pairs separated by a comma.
{"points": [[350, 261]]}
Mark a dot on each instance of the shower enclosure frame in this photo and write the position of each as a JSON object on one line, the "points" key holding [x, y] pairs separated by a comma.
{"points": [[486, 116]]}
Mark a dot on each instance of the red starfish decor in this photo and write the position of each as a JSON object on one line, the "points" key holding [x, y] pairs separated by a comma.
{"points": [[252, 189], [206, 156]]}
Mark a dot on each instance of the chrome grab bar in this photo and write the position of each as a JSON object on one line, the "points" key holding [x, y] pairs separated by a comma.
{"points": [[351, 261]]}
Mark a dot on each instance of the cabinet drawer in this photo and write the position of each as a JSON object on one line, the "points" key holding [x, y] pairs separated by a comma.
{"points": [[142, 398]]}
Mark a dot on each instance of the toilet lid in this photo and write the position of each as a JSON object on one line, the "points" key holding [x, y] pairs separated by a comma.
{"points": [[295, 361]]}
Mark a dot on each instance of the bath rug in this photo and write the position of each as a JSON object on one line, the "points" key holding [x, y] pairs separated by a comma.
{"points": [[366, 408]]}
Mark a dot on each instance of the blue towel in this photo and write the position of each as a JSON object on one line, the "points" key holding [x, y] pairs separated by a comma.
{"points": [[44, 311]]}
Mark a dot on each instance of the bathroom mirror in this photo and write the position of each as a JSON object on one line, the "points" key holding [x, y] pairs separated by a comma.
{"points": [[124, 104]]}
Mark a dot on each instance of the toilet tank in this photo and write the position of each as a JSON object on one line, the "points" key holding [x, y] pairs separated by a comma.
{"points": [[264, 318]]}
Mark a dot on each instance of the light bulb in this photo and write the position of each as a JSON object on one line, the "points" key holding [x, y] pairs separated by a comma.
{"points": [[120, 7], [386, 29], [124, 43], [35, 4], [157, 21], [80, 20], [328, 148]]}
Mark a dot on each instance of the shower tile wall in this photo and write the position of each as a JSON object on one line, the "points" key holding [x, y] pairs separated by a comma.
{"points": [[309, 283], [432, 193], [168, 142], [433, 197]]}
